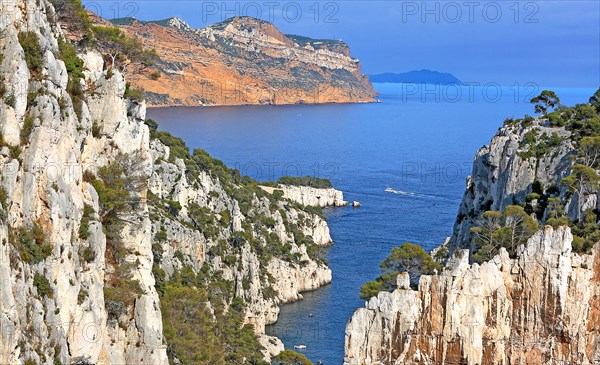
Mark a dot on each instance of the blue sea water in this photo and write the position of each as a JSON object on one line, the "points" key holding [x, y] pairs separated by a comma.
{"points": [[419, 141]]}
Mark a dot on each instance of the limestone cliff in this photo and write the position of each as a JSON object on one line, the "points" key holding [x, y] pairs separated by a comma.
{"points": [[245, 61], [307, 195], [504, 173], [96, 212], [538, 308]]}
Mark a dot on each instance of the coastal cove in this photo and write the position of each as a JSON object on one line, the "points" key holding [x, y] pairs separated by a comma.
{"points": [[419, 145]]}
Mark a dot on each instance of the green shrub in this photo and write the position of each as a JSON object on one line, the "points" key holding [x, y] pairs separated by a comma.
{"points": [[116, 184], [121, 295], [188, 321], [225, 218], [152, 126], [68, 54], [509, 229], [311, 181], [173, 206], [204, 220], [26, 130], [84, 226], [43, 286], [133, 94], [15, 152], [31, 244], [161, 235], [72, 13], [409, 258], [10, 100], [88, 254], [288, 357], [81, 296], [3, 88], [3, 197], [33, 53]]}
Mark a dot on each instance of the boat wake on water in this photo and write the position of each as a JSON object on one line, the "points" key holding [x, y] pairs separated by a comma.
{"points": [[417, 195]]}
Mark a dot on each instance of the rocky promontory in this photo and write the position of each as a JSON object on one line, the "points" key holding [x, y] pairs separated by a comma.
{"points": [[306, 195], [244, 60]]}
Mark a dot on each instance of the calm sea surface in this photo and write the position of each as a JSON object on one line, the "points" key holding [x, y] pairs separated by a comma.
{"points": [[420, 141]]}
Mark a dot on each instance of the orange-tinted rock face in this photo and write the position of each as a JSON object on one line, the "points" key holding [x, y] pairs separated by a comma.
{"points": [[539, 308], [246, 61]]}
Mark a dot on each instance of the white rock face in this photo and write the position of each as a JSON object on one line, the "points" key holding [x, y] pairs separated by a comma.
{"points": [[502, 174], [539, 308], [309, 196], [55, 308], [255, 36], [44, 187]]}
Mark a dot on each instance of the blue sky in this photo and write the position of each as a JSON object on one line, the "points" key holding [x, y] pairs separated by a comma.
{"points": [[510, 42]]}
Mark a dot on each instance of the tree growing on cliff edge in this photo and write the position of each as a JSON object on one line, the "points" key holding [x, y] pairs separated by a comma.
{"points": [[589, 151], [595, 100], [288, 357], [582, 181], [74, 20], [409, 258], [508, 229], [123, 51], [547, 99]]}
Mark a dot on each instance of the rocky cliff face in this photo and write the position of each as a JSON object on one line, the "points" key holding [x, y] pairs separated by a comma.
{"points": [[52, 299], [245, 61], [504, 173], [61, 270], [539, 308], [187, 243]]}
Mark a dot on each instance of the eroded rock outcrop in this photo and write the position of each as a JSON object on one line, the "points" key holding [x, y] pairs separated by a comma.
{"points": [[307, 195], [295, 273], [538, 308]]}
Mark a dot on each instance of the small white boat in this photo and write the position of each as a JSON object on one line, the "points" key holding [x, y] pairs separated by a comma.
{"points": [[299, 347], [390, 190]]}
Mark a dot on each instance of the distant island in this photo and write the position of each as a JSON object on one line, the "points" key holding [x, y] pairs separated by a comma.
{"points": [[416, 77]]}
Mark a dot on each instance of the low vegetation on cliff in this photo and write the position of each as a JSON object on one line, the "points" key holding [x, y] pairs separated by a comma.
{"points": [[291, 358], [313, 182]]}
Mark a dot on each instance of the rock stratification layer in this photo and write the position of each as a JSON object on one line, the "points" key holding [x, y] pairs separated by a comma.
{"points": [[539, 308]]}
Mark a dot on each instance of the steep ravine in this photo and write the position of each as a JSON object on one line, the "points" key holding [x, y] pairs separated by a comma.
{"points": [[85, 260]]}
